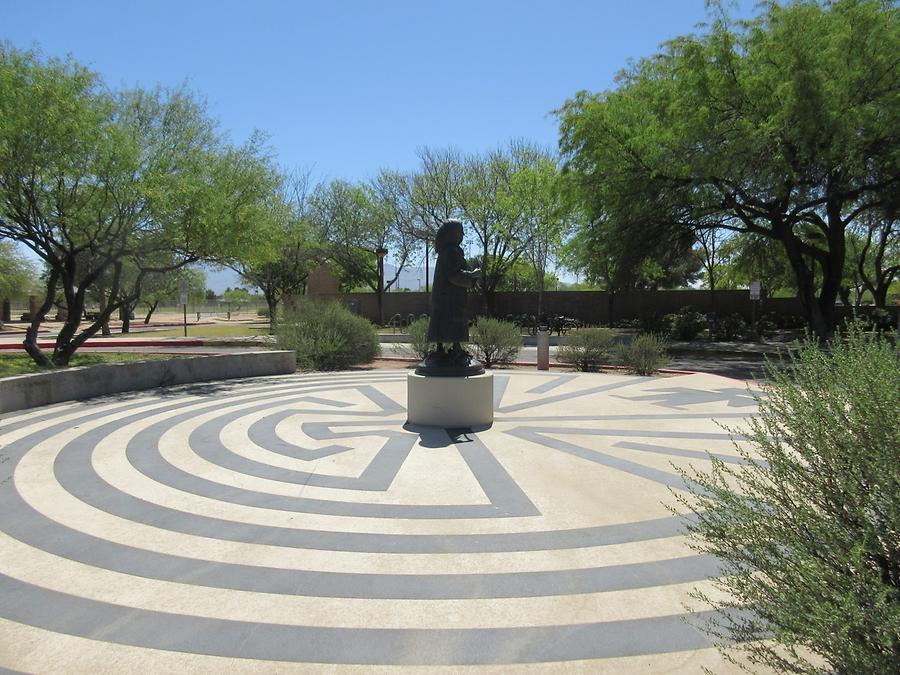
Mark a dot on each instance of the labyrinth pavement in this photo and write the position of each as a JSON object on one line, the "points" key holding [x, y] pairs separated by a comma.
{"points": [[289, 522]]}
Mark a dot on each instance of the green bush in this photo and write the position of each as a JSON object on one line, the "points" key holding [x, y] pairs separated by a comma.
{"points": [[418, 345], [644, 355], [658, 324], [687, 324], [809, 529], [327, 336], [731, 327], [495, 341], [586, 349]]}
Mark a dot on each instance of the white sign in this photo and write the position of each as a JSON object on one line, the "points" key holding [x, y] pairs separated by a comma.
{"points": [[755, 290], [183, 289]]}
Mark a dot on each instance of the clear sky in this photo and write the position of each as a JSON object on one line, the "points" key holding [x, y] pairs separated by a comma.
{"points": [[346, 87]]}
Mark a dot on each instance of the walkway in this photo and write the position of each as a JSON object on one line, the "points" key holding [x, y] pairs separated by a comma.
{"points": [[261, 525]]}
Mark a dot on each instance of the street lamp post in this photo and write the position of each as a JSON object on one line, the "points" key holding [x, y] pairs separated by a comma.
{"points": [[381, 252]]}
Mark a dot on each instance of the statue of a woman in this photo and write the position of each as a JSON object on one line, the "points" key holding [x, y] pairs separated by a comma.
{"points": [[449, 323]]}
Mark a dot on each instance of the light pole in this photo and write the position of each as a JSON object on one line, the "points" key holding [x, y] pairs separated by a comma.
{"points": [[380, 252]]}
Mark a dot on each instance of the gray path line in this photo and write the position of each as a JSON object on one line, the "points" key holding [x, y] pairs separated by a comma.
{"points": [[501, 382], [262, 433], [377, 476], [631, 433], [551, 384], [573, 394], [501, 490], [678, 452], [71, 615], [241, 389], [143, 453], [233, 387], [133, 508], [638, 416], [34, 529], [383, 401], [664, 477]]}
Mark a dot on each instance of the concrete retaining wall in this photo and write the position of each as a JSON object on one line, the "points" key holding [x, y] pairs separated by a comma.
{"points": [[28, 391]]}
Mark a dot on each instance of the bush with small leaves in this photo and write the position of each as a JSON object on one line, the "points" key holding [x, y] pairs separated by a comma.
{"points": [[644, 355], [495, 341], [327, 336], [687, 324], [731, 327], [586, 349], [418, 346], [808, 528]]}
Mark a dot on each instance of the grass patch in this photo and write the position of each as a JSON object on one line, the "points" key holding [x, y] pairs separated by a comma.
{"points": [[22, 364]]}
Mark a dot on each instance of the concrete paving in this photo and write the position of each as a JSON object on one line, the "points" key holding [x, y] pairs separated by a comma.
{"points": [[296, 524]]}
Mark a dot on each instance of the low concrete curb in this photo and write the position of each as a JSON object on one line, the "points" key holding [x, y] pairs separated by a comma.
{"points": [[36, 389]]}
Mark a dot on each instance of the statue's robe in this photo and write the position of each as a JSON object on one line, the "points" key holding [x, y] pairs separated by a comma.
{"points": [[449, 322]]}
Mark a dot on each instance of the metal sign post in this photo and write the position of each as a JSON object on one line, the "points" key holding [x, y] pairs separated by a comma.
{"points": [[183, 289], [755, 293]]}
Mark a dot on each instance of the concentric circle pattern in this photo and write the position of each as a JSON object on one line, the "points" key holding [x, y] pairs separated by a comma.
{"points": [[290, 522]]}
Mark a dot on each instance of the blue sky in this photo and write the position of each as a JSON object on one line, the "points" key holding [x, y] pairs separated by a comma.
{"points": [[346, 87]]}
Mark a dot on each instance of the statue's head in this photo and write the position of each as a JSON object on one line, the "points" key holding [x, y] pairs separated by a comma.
{"points": [[451, 232]]}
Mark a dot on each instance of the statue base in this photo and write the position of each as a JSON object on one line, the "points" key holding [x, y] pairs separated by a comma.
{"points": [[453, 363], [450, 402]]}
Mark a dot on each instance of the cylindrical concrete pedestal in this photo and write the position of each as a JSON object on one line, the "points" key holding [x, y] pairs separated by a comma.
{"points": [[450, 402]]}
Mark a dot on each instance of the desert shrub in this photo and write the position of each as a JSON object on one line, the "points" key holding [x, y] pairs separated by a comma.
{"points": [[586, 349], [495, 341], [327, 336], [687, 324], [791, 321], [418, 345], [808, 531], [731, 327], [658, 324], [644, 355]]}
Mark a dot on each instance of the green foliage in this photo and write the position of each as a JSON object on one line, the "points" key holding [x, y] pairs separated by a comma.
{"points": [[120, 186], [687, 324], [644, 355], [753, 126], [809, 529], [495, 341], [731, 327], [17, 274], [586, 349], [237, 297], [327, 336], [418, 345]]}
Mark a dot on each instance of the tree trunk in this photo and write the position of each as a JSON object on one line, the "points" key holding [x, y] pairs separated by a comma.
{"points": [[150, 312], [272, 304], [125, 315], [879, 296], [820, 322], [30, 342]]}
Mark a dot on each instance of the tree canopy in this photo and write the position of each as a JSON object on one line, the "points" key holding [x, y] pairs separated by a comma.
{"points": [[785, 127], [96, 182]]}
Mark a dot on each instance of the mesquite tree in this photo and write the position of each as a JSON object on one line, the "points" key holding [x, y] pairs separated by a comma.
{"points": [[111, 187], [785, 127]]}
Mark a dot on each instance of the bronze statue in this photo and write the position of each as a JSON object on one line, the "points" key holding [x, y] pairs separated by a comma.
{"points": [[449, 323]]}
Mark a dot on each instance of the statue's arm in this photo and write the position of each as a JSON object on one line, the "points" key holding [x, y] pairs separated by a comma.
{"points": [[459, 275]]}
